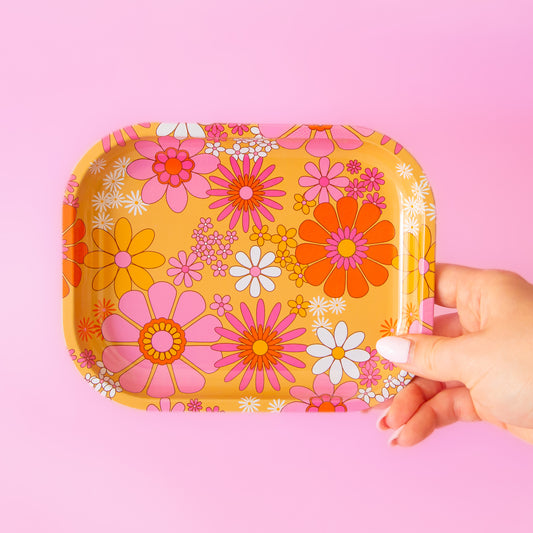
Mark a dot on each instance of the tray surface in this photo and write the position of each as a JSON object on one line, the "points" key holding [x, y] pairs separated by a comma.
{"points": [[245, 267]]}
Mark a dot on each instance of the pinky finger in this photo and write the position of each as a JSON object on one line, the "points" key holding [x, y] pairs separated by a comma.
{"points": [[446, 407]]}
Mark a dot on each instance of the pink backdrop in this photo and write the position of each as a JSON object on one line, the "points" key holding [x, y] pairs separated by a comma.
{"points": [[451, 82]]}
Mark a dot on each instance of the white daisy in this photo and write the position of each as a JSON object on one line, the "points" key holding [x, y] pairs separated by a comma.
{"points": [[412, 206], [318, 305], [249, 404], [134, 203], [116, 199], [255, 271], [337, 305], [366, 394], [180, 129], [214, 148], [420, 189], [404, 170], [104, 385], [389, 382], [121, 164], [103, 370], [113, 181], [103, 221], [385, 395], [410, 224], [275, 406], [101, 201], [321, 323], [430, 211], [400, 381], [97, 165], [338, 352]]}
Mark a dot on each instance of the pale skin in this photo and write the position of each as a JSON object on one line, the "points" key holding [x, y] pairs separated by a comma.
{"points": [[478, 365]]}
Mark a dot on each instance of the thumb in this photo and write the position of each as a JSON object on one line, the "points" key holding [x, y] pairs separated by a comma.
{"points": [[434, 357]]}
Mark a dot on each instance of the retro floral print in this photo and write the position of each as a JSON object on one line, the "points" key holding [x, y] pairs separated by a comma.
{"points": [[74, 251]]}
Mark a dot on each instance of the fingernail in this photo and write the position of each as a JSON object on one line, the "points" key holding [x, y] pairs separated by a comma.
{"points": [[393, 440], [395, 349], [381, 423]]}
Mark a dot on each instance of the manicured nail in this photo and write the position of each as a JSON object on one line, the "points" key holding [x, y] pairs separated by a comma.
{"points": [[393, 440], [381, 423], [395, 349]]}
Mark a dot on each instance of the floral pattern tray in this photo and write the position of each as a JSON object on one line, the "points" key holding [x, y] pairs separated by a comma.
{"points": [[230, 267]]}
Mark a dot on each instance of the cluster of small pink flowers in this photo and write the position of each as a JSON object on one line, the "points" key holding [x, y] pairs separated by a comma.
{"points": [[370, 180], [216, 132], [212, 248]]}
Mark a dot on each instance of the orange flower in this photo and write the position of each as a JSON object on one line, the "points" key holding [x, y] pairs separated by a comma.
{"points": [[74, 252], [346, 248]]}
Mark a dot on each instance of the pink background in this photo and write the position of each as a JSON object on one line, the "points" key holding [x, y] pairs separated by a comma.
{"points": [[452, 82]]}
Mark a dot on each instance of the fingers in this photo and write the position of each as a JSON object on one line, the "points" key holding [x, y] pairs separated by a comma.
{"points": [[450, 280], [446, 407], [448, 325]]}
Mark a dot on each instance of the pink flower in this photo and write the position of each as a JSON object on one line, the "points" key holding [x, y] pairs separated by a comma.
{"points": [[353, 166], [356, 188], [224, 250], [215, 132], [205, 224], [425, 323], [215, 238], [164, 406], [194, 405], [372, 178], [208, 254], [335, 240], [70, 200], [185, 269], [246, 192], [197, 234], [231, 236], [387, 365], [172, 168], [72, 183], [375, 199], [374, 358], [319, 140], [198, 249], [238, 128], [324, 181], [221, 304], [87, 358], [370, 376], [72, 354], [325, 397], [215, 409], [219, 269], [167, 339], [259, 346]]}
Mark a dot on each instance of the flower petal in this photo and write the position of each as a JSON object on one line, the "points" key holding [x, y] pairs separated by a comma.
{"points": [[122, 282], [203, 330], [204, 357], [312, 232], [105, 277], [267, 283], [267, 259], [326, 338], [188, 379], [141, 241], [161, 385], [359, 356], [347, 208], [346, 390], [189, 306], [116, 329], [140, 277], [341, 333], [350, 368], [318, 350], [147, 148], [153, 190], [133, 305], [105, 241], [197, 186], [255, 255], [161, 296], [243, 282], [166, 128], [335, 372], [322, 365], [134, 380], [123, 234], [141, 169], [238, 271], [322, 385], [354, 340], [116, 358], [242, 258], [255, 288], [177, 198], [272, 272], [98, 259], [148, 259]]}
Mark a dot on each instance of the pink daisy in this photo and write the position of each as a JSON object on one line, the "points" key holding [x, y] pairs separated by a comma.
{"points": [[375, 199], [224, 250], [373, 178], [71, 200], [219, 269], [356, 188], [216, 132], [167, 339], [259, 346], [172, 167], [245, 192], [87, 358], [194, 405], [215, 238], [324, 181], [231, 236], [325, 397], [185, 269], [387, 365], [319, 140], [221, 304], [208, 254], [353, 166], [341, 261], [238, 128], [370, 376], [72, 183], [205, 224]]}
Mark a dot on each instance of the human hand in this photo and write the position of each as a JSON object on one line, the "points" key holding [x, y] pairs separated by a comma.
{"points": [[477, 366]]}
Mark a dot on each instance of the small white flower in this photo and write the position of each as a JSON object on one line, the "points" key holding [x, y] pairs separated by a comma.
{"points": [[337, 305], [389, 382], [121, 164], [401, 380], [383, 396], [214, 148], [254, 130], [275, 406], [430, 211], [318, 306], [338, 352], [413, 206], [103, 221], [180, 129], [113, 181], [410, 224], [404, 170], [134, 203], [97, 165], [249, 404], [321, 323], [103, 370], [366, 394], [111, 387], [255, 271], [420, 189], [101, 201], [116, 199]]}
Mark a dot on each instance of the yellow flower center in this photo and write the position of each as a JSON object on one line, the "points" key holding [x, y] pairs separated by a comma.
{"points": [[260, 347], [346, 248], [337, 352], [162, 341]]}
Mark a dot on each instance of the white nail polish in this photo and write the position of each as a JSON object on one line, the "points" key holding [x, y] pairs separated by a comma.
{"points": [[395, 349], [381, 417], [395, 435]]}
